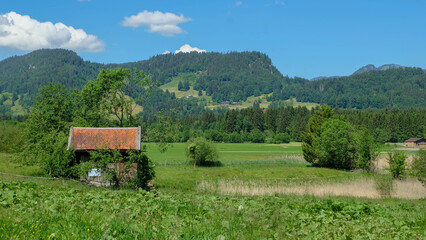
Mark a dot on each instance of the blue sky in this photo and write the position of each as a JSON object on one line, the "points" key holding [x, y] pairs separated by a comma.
{"points": [[305, 38]]}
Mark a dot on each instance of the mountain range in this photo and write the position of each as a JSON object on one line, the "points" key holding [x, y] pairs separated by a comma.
{"points": [[233, 76]]}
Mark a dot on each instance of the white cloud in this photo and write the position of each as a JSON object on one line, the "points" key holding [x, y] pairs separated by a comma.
{"points": [[166, 52], [24, 33], [186, 49], [165, 24]]}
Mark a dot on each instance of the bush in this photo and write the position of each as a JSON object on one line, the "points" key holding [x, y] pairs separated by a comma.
{"points": [[12, 137], [257, 136], [418, 167], [145, 170], [213, 135], [233, 138], [335, 147], [384, 184], [103, 158], [202, 152], [366, 147], [397, 163], [281, 138], [50, 154]]}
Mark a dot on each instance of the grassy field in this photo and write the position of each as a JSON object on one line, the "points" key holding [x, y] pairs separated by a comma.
{"points": [[263, 191], [229, 152]]}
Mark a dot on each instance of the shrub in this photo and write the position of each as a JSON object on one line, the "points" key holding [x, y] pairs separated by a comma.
{"points": [[281, 138], [397, 163], [12, 138], [419, 167], [384, 184], [103, 158], [202, 152], [50, 154], [257, 136], [213, 135], [366, 147], [233, 138], [145, 170], [335, 147]]}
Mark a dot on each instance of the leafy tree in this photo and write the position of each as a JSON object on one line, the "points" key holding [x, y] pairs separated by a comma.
{"points": [[233, 138], [281, 138], [366, 147], [335, 147], [213, 135], [112, 93], [397, 163], [313, 131], [202, 152], [50, 154], [52, 112], [47, 132], [163, 131], [257, 136]]}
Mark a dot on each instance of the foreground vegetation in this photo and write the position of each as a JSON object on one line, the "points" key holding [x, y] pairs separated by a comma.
{"points": [[183, 207], [30, 210]]}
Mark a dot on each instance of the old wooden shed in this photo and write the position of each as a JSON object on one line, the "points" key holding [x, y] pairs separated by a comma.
{"points": [[414, 142], [82, 140]]}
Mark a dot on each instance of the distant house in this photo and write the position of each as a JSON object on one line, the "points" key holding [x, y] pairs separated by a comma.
{"points": [[82, 140], [422, 144], [414, 142]]}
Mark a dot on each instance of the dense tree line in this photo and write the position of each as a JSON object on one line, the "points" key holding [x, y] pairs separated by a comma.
{"points": [[394, 125]]}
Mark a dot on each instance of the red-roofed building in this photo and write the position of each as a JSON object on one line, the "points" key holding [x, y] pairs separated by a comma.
{"points": [[87, 139], [82, 140]]}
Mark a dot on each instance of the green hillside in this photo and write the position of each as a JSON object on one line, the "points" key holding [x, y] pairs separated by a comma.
{"points": [[243, 77]]}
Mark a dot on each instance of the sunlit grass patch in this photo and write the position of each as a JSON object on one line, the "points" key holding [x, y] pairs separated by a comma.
{"points": [[9, 164]]}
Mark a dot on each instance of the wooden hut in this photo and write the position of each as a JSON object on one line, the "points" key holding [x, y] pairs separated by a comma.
{"points": [[414, 142], [82, 140]]}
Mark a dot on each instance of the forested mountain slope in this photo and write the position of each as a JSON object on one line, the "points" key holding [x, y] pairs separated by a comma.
{"points": [[24, 75], [232, 76], [392, 88]]}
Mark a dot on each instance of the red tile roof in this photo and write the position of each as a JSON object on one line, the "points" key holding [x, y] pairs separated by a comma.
{"points": [[83, 139]]}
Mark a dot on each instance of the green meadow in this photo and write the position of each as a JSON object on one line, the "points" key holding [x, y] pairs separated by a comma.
{"points": [[262, 191]]}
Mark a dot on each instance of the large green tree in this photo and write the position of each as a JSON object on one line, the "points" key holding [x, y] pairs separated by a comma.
{"points": [[313, 131], [335, 146], [111, 95], [47, 131]]}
